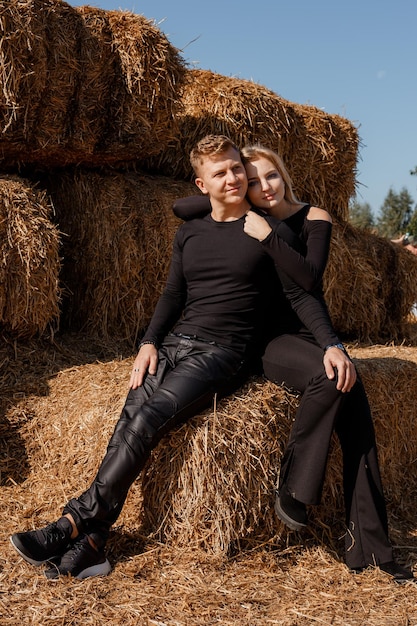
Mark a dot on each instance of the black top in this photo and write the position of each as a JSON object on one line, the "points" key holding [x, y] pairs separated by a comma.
{"points": [[223, 286]]}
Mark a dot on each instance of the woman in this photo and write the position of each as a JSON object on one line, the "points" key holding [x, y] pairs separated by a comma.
{"points": [[333, 398]]}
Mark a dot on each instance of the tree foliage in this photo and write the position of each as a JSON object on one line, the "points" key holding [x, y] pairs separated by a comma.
{"points": [[360, 214], [396, 214]]}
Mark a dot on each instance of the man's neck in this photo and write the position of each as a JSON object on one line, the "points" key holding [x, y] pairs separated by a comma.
{"points": [[229, 213]]}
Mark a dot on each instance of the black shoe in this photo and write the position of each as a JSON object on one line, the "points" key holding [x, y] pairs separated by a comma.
{"points": [[39, 546], [289, 510], [80, 561], [399, 573]]}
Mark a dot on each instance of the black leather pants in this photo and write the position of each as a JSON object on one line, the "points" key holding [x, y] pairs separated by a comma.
{"points": [[297, 361], [189, 373]]}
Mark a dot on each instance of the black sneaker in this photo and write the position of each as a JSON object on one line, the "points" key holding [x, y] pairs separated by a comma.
{"points": [[80, 561], [289, 510], [40, 546]]}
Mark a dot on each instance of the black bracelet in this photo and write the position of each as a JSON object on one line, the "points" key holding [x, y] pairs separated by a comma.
{"points": [[145, 343]]}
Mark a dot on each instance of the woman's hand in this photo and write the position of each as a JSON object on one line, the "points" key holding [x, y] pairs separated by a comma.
{"points": [[256, 226], [146, 361], [336, 359]]}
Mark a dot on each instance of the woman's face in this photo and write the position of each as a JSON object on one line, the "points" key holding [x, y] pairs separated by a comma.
{"points": [[266, 188]]}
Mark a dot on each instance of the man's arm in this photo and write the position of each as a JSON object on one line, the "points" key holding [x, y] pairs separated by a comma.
{"points": [[167, 311], [192, 207]]}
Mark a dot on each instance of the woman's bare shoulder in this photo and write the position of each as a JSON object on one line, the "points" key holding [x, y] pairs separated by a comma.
{"points": [[315, 213]]}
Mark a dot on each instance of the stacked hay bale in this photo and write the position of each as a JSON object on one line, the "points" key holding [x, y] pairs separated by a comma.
{"points": [[29, 260], [120, 229], [84, 85], [370, 286], [87, 87], [319, 149]]}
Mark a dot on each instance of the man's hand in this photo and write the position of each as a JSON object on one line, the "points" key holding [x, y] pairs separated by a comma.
{"points": [[256, 226], [146, 361], [334, 358]]}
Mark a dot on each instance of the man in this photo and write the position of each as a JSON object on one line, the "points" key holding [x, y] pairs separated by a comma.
{"points": [[221, 288]]}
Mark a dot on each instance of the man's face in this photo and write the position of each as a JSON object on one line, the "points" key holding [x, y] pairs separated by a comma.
{"points": [[223, 178]]}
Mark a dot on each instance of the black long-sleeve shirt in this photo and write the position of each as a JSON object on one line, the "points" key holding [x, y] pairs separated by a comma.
{"points": [[223, 286], [219, 286], [299, 248]]}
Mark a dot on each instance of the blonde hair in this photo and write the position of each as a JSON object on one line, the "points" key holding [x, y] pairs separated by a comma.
{"points": [[209, 145], [254, 152]]}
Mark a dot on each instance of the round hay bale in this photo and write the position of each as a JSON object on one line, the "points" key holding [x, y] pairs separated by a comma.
{"points": [[84, 85], [29, 260], [118, 231], [370, 285], [319, 149]]}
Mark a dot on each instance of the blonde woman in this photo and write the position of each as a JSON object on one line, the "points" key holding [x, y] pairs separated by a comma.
{"points": [[306, 355]]}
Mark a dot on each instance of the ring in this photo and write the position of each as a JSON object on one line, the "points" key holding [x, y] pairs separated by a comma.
{"points": [[135, 370]]}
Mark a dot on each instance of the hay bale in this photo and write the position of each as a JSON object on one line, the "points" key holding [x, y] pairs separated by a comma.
{"points": [[118, 231], [29, 259], [83, 85], [370, 285], [210, 482], [319, 149]]}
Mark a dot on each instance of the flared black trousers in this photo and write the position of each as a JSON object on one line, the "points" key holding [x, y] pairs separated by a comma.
{"points": [[297, 362]]}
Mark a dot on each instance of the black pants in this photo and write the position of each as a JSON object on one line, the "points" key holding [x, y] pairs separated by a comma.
{"points": [[297, 362], [189, 373]]}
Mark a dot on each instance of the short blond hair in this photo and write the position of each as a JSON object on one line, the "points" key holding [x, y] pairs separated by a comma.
{"points": [[209, 145]]}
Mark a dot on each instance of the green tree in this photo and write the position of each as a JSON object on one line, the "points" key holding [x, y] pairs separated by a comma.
{"points": [[395, 214], [360, 214], [412, 225]]}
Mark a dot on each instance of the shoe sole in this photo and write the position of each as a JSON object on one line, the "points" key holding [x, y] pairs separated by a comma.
{"points": [[27, 558], [288, 521], [101, 569]]}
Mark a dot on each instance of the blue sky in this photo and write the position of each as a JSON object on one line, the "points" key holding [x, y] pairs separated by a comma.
{"points": [[357, 59]]}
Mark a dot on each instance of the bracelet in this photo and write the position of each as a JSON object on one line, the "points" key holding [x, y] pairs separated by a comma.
{"points": [[145, 343], [335, 345]]}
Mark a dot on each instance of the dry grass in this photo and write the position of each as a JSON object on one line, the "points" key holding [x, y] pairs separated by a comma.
{"points": [[118, 232], [370, 285], [59, 404], [84, 85], [29, 259]]}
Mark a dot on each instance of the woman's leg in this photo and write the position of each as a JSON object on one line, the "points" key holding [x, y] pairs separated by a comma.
{"points": [[297, 362], [366, 540]]}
